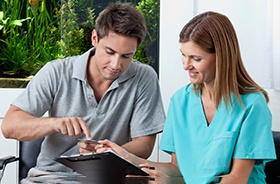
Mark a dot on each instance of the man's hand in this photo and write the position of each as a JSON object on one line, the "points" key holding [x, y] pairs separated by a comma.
{"points": [[72, 126], [20, 125]]}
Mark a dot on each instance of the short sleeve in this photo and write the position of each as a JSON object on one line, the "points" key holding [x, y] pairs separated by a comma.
{"points": [[37, 98], [148, 113], [255, 140], [167, 139]]}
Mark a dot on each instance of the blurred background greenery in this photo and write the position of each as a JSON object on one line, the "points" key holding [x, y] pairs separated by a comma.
{"points": [[34, 32]]}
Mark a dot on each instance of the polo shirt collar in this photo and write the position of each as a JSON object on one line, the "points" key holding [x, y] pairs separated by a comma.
{"points": [[80, 68], [80, 65], [128, 73]]}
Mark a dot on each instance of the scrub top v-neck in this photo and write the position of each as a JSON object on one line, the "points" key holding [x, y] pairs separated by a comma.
{"points": [[204, 151]]}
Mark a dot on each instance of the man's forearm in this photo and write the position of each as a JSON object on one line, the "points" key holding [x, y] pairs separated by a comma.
{"points": [[22, 126]]}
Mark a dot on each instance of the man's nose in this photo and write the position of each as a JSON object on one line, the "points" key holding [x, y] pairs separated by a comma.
{"points": [[116, 62]]}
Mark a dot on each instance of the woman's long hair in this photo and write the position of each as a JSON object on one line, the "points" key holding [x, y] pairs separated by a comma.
{"points": [[214, 33]]}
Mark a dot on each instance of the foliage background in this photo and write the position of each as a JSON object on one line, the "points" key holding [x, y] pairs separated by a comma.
{"points": [[34, 32]]}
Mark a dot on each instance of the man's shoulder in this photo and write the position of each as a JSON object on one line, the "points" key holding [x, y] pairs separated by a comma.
{"points": [[63, 62], [61, 66], [142, 68]]}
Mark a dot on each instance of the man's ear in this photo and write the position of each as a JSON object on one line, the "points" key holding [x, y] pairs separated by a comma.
{"points": [[94, 38]]}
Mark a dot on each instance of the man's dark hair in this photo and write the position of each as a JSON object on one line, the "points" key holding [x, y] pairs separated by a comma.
{"points": [[121, 18]]}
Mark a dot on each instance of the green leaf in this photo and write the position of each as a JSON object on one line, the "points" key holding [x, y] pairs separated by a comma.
{"points": [[16, 22], [5, 21], [22, 20], [1, 15]]}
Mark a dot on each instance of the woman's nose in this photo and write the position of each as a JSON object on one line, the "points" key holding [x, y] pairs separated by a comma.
{"points": [[186, 64]]}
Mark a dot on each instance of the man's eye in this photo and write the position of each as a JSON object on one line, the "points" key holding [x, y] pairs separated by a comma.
{"points": [[126, 56], [109, 52]]}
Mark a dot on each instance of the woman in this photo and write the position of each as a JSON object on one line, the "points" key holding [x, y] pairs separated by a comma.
{"points": [[218, 127]]}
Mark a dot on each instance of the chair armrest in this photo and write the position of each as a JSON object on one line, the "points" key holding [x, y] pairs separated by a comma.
{"points": [[272, 169], [4, 161]]}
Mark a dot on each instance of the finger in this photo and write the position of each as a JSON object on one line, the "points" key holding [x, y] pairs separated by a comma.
{"points": [[76, 126], [107, 143], [102, 150], [65, 126], [62, 126], [82, 145], [71, 126], [149, 171], [62, 130], [145, 164], [81, 150], [85, 129], [147, 167], [99, 146], [87, 146]]}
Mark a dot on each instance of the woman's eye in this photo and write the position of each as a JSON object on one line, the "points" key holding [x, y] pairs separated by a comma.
{"points": [[196, 58]]}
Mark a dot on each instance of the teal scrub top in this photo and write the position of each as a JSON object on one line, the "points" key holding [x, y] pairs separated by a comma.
{"points": [[204, 151]]}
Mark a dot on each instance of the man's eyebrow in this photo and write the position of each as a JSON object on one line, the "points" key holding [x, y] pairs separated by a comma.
{"points": [[109, 48]]}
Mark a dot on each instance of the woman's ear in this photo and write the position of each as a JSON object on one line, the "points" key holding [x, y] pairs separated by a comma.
{"points": [[94, 38]]}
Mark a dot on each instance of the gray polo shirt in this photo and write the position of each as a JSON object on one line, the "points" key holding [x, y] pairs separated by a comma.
{"points": [[131, 107]]}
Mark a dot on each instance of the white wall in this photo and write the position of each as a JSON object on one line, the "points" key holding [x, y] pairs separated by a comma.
{"points": [[175, 14], [9, 147], [173, 17], [274, 106]]}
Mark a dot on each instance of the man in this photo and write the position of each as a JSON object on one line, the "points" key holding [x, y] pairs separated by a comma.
{"points": [[101, 94]]}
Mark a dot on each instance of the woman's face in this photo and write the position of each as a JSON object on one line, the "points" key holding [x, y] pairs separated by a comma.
{"points": [[200, 64]]}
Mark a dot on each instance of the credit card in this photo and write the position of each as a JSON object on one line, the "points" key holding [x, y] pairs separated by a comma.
{"points": [[89, 141]]}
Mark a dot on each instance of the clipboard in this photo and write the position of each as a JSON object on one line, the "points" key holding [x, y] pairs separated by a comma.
{"points": [[102, 167]]}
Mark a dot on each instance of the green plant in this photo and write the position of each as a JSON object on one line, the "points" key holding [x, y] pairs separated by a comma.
{"points": [[77, 22], [34, 33], [6, 24], [149, 47], [10, 24], [26, 48], [42, 34]]}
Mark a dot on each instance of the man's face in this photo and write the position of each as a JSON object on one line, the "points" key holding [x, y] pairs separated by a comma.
{"points": [[113, 54]]}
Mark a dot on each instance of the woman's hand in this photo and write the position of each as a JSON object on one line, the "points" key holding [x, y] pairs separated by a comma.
{"points": [[106, 145], [156, 176]]}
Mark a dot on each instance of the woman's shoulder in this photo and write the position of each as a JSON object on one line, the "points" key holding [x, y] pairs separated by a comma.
{"points": [[253, 98], [183, 91]]}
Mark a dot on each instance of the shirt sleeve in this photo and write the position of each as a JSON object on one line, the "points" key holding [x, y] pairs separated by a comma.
{"points": [[148, 113], [167, 139], [255, 139], [37, 98]]}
